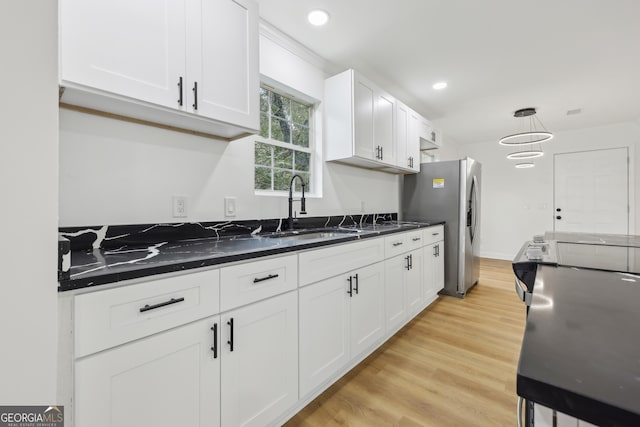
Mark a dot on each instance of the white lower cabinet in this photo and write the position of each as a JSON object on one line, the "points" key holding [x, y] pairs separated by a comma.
{"points": [[340, 318], [433, 270], [404, 296], [259, 361], [166, 380]]}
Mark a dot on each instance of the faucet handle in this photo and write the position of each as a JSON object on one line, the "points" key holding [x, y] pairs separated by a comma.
{"points": [[303, 207]]}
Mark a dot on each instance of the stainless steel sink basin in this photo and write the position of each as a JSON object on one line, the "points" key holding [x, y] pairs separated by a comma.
{"points": [[324, 234]]}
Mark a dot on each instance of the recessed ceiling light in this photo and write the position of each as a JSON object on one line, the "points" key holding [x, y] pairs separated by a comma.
{"points": [[318, 17], [440, 85]]}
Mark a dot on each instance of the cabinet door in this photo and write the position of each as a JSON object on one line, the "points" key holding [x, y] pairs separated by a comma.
{"points": [[134, 48], [413, 282], [413, 141], [222, 58], [363, 100], [367, 308], [428, 274], [438, 270], [324, 339], [170, 379], [402, 136], [384, 129], [260, 374], [394, 289]]}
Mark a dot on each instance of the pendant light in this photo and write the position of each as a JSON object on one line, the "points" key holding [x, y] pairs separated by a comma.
{"points": [[527, 137], [528, 140]]}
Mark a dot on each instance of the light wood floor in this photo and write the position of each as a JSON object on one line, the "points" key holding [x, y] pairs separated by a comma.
{"points": [[453, 365]]}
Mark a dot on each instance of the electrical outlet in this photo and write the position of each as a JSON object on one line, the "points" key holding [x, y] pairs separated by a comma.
{"points": [[229, 207], [179, 206]]}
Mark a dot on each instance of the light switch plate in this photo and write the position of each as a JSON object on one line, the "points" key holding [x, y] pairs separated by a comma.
{"points": [[229, 207]]}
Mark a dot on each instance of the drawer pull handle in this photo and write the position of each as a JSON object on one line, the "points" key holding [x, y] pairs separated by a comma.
{"points": [[230, 341], [214, 328], [397, 243], [416, 239], [357, 283], [350, 291], [162, 304], [435, 234], [408, 266], [262, 279]]}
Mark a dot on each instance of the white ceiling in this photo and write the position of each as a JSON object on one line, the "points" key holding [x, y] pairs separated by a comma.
{"points": [[497, 56]]}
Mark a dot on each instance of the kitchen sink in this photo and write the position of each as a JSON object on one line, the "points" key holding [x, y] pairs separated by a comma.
{"points": [[311, 235]]}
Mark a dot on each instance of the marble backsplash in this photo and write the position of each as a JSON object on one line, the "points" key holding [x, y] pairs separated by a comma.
{"points": [[117, 236]]}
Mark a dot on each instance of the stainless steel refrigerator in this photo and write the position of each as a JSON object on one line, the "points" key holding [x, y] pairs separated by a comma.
{"points": [[449, 191]]}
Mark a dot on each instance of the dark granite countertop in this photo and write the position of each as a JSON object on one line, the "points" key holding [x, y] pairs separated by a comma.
{"points": [[581, 348], [100, 265]]}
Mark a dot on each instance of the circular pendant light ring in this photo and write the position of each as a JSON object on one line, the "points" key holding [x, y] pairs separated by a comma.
{"points": [[520, 138], [525, 155], [525, 165]]}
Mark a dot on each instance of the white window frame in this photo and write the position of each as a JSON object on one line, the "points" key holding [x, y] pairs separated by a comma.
{"points": [[314, 149]]}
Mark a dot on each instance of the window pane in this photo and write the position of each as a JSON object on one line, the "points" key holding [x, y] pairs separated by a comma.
{"points": [[263, 154], [264, 125], [301, 136], [280, 130], [282, 179], [283, 158], [302, 161], [280, 106], [299, 113], [264, 100], [263, 178]]}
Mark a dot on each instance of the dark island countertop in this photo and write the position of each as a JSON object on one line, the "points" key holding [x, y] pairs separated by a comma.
{"points": [[99, 266], [581, 348]]}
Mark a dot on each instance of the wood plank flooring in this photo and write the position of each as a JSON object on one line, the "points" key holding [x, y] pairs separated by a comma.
{"points": [[453, 365]]}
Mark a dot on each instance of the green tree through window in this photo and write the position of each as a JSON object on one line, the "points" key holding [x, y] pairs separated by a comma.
{"points": [[284, 147]]}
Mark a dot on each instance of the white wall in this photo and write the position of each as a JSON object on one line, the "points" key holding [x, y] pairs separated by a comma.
{"points": [[518, 203], [114, 172], [29, 188]]}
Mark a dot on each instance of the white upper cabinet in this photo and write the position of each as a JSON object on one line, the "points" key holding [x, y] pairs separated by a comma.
{"points": [[191, 64], [407, 139], [359, 122], [368, 127]]}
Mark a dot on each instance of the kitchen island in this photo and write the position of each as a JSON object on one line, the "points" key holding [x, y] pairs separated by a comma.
{"points": [[580, 353]]}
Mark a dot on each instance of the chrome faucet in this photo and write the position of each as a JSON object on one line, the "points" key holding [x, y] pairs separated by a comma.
{"points": [[302, 201]]}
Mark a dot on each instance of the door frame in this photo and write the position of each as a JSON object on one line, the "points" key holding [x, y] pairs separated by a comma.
{"points": [[630, 183]]}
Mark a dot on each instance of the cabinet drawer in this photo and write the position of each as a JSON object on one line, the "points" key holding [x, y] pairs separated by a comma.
{"points": [[245, 283], [323, 263], [433, 234], [399, 243], [111, 317]]}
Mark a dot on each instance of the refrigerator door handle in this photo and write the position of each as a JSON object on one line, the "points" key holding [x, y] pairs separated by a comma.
{"points": [[472, 215]]}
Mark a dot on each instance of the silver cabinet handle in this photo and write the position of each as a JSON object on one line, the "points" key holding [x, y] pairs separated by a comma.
{"points": [[523, 292]]}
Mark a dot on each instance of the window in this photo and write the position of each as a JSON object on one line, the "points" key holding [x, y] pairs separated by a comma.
{"points": [[285, 145]]}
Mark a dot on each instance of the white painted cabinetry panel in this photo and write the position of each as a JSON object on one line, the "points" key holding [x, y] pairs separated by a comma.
{"points": [[133, 48], [367, 308], [433, 234], [167, 380], [324, 331], [318, 264], [104, 319], [249, 282], [259, 379]]}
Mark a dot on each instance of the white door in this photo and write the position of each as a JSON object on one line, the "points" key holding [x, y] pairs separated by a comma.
{"points": [[384, 130], [222, 55], [433, 273], [259, 371], [438, 268], [167, 380], [133, 48], [324, 331], [394, 301], [591, 191], [413, 282], [402, 135], [367, 307], [363, 118], [413, 141]]}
